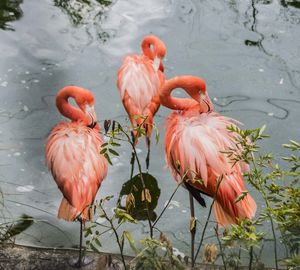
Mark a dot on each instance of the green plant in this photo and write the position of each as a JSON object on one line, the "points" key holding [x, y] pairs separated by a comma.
{"points": [[156, 255], [277, 187], [119, 217]]}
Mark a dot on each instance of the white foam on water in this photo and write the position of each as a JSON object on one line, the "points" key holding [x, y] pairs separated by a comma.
{"points": [[26, 188], [138, 150], [173, 203], [101, 220]]}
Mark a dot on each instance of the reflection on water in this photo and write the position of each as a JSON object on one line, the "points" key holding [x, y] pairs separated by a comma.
{"points": [[85, 12], [9, 11], [295, 3], [81, 11], [252, 13]]}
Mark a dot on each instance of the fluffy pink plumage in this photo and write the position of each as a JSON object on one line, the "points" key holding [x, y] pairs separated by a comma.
{"points": [[139, 80], [193, 144], [73, 156]]}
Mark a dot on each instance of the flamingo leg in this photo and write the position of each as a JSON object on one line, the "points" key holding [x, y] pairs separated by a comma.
{"points": [[80, 246], [132, 160], [148, 154], [192, 228], [81, 261], [132, 164], [78, 262]]}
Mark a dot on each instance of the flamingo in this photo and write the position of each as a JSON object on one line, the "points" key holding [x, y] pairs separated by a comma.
{"points": [[139, 80], [73, 156], [195, 137]]}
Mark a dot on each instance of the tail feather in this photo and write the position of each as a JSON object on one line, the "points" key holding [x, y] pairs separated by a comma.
{"points": [[249, 206], [69, 213], [222, 217], [245, 208]]}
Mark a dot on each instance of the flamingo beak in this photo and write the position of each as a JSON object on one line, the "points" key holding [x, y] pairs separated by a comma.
{"points": [[90, 112], [157, 64], [206, 99], [161, 67]]}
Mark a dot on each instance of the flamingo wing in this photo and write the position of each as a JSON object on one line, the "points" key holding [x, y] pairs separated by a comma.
{"points": [[139, 83], [193, 145], [72, 154]]}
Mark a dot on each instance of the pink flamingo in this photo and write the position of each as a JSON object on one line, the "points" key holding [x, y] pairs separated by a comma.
{"points": [[139, 80], [195, 137], [73, 156]]}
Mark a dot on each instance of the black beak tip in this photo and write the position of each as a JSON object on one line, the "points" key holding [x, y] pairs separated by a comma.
{"points": [[92, 125]]}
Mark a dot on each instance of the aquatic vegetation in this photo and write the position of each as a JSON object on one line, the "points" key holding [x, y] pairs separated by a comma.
{"points": [[12, 227], [277, 187], [156, 254]]}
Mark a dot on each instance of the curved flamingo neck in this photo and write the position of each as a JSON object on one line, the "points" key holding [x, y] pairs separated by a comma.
{"points": [[185, 82], [159, 48], [66, 109]]}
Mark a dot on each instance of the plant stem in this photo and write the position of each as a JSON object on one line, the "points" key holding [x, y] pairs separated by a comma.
{"points": [[204, 229], [167, 204], [116, 235], [275, 242], [192, 229], [132, 164], [251, 258], [148, 154], [80, 245], [208, 217], [132, 143], [261, 190], [221, 248], [239, 257]]}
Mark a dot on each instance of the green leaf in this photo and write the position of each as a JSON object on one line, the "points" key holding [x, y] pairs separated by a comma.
{"points": [[241, 196], [128, 236], [156, 134], [87, 231], [107, 198], [135, 187], [103, 151], [123, 216], [115, 144], [108, 158], [97, 241], [94, 247], [261, 130], [113, 152], [22, 224]]}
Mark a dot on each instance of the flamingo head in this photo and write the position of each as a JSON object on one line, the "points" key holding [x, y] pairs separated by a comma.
{"points": [[155, 49], [197, 90], [85, 101]]}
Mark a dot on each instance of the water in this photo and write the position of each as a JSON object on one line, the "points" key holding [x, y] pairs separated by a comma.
{"points": [[247, 51]]}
